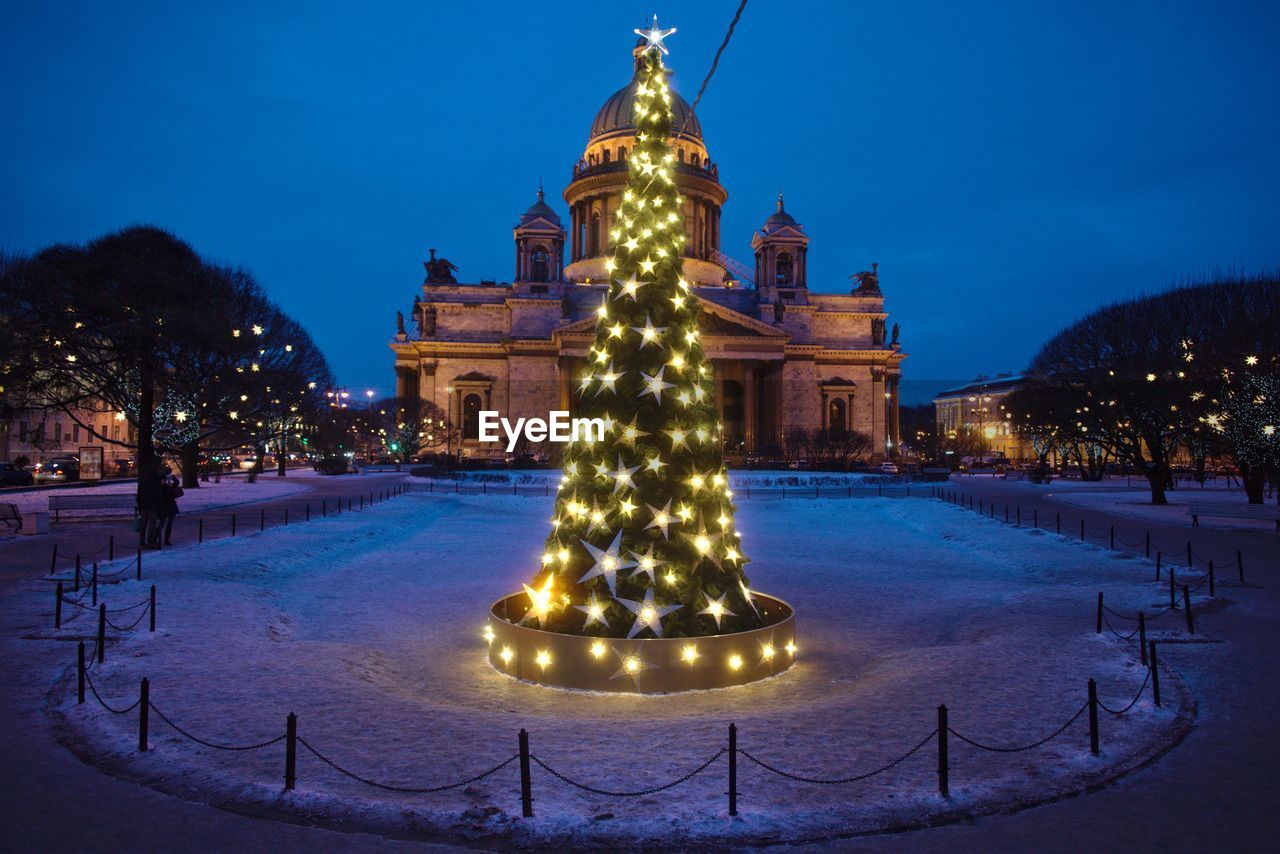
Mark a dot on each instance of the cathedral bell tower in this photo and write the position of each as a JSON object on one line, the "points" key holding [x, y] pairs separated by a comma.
{"points": [[781, 269], [539, 245]]}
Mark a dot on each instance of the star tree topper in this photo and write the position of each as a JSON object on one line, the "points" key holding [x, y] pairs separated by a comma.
{"points": [[654, 35]]}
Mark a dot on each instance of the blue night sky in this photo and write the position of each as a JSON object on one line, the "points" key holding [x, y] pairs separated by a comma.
{"points": [[1010, 168]]}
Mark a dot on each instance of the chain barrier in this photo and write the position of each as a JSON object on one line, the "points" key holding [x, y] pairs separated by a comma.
{"points": [[408, 790], [104, 703], [134, 624], [1132, 702], [854, 779], [210, 744], [1129, 636], [605, 792], [1050, 737], [1150, 615]]}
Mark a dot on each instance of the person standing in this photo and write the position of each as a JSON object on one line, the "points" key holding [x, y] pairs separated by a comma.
{"points": [[150, 497], [171, 491]]}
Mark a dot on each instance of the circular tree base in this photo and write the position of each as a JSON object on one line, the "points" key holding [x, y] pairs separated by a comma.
{"points": [[640, 665]]}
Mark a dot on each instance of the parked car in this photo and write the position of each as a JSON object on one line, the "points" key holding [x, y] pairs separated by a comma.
{"points": [[58, 470], [888, 468], [11, 475]]}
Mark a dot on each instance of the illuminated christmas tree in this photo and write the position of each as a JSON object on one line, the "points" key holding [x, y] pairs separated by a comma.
{"points": [[643, 542]]}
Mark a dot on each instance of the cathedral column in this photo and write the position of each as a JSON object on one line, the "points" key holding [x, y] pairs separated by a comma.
{"points": [[562, 374], [749, 401], [718, 393], [402, 382], [895, 433], [573, 233]]}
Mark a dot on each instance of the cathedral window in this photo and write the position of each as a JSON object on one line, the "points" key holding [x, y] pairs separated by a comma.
{"points": [[622, 152], [783, 267], [606, 155], [836, 421], [695, 159], [539, 263], [471, 416]]}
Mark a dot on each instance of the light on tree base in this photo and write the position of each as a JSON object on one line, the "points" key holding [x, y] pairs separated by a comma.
{"points": [[640, 665]]}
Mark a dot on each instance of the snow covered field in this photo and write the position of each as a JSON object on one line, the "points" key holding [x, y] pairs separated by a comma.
{"points": [[1137, 504], [368, 626], [231, 491]]}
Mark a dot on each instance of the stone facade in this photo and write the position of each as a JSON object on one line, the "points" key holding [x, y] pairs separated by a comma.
{"points": [[785, 357], [979, 407]]}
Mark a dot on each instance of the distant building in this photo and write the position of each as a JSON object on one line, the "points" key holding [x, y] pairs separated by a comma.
{"points": [[978, 407], [42, 434], [784, 356]]}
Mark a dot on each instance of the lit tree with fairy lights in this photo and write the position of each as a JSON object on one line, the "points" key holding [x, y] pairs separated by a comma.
{"points": [[643, 541]]}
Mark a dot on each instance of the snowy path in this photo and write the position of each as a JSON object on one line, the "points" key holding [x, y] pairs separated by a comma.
{"points": [[368, 627]]}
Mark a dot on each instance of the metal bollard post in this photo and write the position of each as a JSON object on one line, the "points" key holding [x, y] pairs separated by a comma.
{"points": [[1186, 606], [111, 547], [94, 582], [1159, 561], [286, 517], [233, 524], [153, 608], [1142, 635], [139, 560], [1019, 515], [200, 531], [1240, 565], [1155, 673], [1113, 538], [77, 587], [1189, 563], [1098, 629], [102, 632], [290, 752], [1147, 553], [57, 608], [1082, 530], [1212, 592], [1173, 589], [80, 673], [944, 780], [1036, 514], [526, 781], [262, 520], [53, 561], [733, 769], [1093, 717], [308, 519], [144, 701], [1058, 522]]}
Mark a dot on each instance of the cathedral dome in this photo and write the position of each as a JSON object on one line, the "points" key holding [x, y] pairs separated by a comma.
{"points": [[617, 112], [778, 219], [540, 210]]}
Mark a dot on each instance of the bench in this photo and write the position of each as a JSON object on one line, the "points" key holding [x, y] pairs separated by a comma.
{"points": [[1268, 512], [118, 501], [10, 515]]}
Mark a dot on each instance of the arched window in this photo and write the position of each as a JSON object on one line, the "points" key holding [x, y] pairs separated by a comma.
{"points": [[471, 416], [836, 416], [695, 159], [783, 265], [680, 154], [622, 152], [606, 155], [539, 259]]}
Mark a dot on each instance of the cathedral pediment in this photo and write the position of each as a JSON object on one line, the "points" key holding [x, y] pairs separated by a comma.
{"points": [[714, 319]]}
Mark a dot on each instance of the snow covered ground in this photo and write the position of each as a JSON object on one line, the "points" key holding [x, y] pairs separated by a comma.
{"points": [[1137, 504], [231, 491], [738, 478], [368, 626]]}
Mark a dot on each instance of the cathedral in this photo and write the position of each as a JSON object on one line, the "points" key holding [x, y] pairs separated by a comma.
{"points": [[785, 357]]}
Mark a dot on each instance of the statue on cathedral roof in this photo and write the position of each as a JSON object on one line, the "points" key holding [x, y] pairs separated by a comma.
{"points": [[440, 270], [868, 281]]}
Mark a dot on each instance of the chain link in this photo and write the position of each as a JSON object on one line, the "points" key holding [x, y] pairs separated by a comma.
{"points": [[553, 772], [1059, 731], [854, 779], [409, 790], [1132, 702], [199, 740], [104, 703]]}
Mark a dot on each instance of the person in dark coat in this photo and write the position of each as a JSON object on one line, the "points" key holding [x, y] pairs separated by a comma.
{"points": [[171, 491], [150, 499]]}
